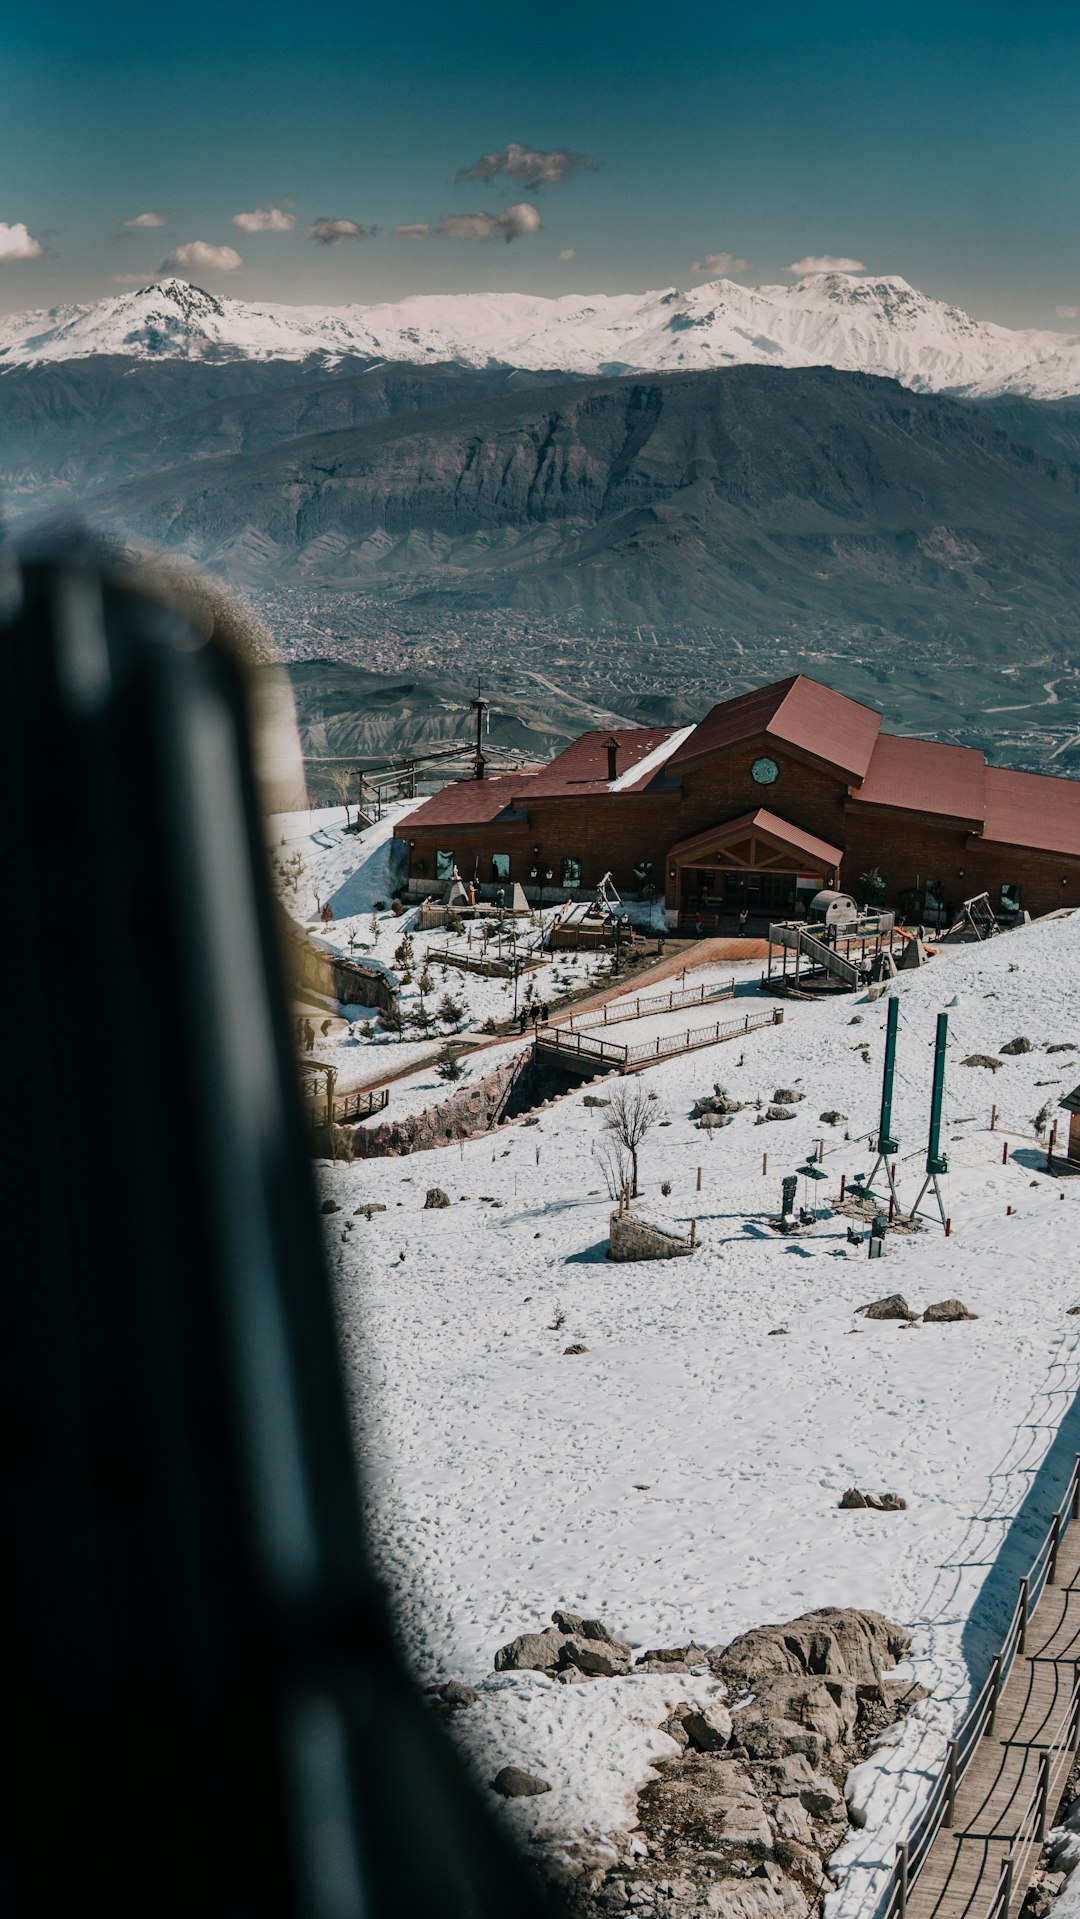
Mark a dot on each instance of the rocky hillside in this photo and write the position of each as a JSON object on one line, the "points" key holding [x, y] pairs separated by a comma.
{"points": [[753, 497]]}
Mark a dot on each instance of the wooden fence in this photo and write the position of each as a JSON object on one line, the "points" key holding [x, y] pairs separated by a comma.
{"points": [[1030, 1829], [615, 1011], [561, 1043], [490, 968]]}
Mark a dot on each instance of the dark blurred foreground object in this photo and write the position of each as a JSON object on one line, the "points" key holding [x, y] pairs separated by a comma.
{"points": [[203, 1711]]}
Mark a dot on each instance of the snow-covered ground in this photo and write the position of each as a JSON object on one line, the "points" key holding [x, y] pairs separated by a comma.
{"points": [[352, 875], [681, 1478]]}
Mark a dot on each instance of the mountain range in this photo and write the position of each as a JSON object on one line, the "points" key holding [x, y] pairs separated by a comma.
{"points": [[854, 323], [754, 498]]}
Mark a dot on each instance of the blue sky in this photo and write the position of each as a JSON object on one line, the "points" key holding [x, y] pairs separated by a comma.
{"points": [[941, 143]]}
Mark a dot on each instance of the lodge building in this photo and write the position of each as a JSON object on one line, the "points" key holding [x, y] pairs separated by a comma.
{"points": [[773, 795]]}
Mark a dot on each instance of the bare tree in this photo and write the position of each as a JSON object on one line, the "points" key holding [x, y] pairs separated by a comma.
{"points": [[340, 778], [631, 1117], [614, 1164]]}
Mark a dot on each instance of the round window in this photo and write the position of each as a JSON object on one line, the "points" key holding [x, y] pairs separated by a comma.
{"points": [[764, 771]]}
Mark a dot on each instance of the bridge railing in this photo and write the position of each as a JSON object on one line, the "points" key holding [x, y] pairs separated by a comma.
{"points": [[979, 1720], [606, 1052], [615, 1012]]}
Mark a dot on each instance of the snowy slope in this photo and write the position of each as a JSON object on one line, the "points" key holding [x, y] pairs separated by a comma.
{"points": [[681, 1477], [871, 325]]}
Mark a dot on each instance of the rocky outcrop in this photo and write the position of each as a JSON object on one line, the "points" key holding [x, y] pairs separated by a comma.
{"points": [[893, 1306], [571, 1644], [739, 1821], [944, 1310], [631, 1238]]}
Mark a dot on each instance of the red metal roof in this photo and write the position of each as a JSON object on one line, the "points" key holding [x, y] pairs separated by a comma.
{"points": [[1032, 810], [798, 711], [761, 821], [923, 776], [468, 802], [582, 766]]}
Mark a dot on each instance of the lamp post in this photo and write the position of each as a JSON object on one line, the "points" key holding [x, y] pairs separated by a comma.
{"points": [[622, 921], [544, 875]]}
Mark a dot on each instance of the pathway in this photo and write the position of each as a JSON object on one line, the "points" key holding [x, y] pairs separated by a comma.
{"points": [[1023, 1761]]}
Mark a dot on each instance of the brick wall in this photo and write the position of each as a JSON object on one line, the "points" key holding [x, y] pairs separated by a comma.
{"points": [[613, 832]]}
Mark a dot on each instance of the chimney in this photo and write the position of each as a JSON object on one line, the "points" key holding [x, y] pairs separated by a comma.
{"points": [[612, 757]]}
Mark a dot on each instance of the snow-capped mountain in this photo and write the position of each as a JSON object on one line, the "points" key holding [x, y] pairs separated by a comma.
{"points": [[855, 324]]}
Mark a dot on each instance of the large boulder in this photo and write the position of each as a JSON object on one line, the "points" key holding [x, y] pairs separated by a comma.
{"points": [[944, 1310], [709, 1728], [836, 1641], [601, 1659], [531, 1652], [893, 1306]]}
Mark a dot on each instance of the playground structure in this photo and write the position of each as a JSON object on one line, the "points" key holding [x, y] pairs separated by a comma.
{"points": [[833, 954]]}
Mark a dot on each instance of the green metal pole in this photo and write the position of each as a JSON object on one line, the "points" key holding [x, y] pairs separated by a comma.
{"points": [[886, 1144], [936, 1161]]}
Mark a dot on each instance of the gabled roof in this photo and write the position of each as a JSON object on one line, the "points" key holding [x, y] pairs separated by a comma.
{"points": [[772, 826], [582, 766], [923, 776], [468, 803], [1032, 810], [1071, 1101], [798, 712]]}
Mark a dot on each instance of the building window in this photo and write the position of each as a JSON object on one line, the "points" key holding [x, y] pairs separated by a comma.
{"points": [[444, 866], [1010, 898], [571, 874], [500, 866]]}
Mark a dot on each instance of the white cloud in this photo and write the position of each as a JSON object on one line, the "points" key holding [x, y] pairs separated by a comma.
{"points": [[508, 225], [198, 256], [265, 220], [416, 230], [825, 263], [533, 166], [1067, 313], [330, 233], [147, 220], [715, 263], [16, 243], [567, 253]]}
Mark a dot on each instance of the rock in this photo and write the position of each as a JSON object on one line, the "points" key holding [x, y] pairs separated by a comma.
{"points": [[457, 1695], [982, 1059], [1064, 1046], [515, 1784], [593, 1099], [947, 1309], [674, 1725], [570, 1621], [703, 1799], [436, 1199], [852, 1498], [773, 1112], [600, 1659], [792, 1821], [708, 1728], [892, 1503], [834, 1641], [329, 1206], [893, 1306], [787, 1096], [1020, 1045], [832, 1117], [856, 1019], [710, 1121], [369, 1206], [531, 1652], [574, 1349]]}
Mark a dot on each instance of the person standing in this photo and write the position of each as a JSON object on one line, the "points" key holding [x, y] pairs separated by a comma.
{"points": [[744, 917]]}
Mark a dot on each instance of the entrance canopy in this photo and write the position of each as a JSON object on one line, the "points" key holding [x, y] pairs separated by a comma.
{"points": [[758, 863], [758, 840]]}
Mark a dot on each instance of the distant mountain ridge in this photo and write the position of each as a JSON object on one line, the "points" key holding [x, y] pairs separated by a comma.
{"points": [[852, 323], [770, 499]]}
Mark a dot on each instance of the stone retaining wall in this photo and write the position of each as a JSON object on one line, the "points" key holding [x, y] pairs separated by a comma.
{"points": [[472, 1110], [632, 1238]]}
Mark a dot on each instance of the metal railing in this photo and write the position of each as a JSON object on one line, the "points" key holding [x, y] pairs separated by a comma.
{"points": [[979, 1720], [605, 1052], [614, 1012], [491, 966]]}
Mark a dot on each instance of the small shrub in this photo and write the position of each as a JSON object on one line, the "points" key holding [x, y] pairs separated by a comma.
{"points": [[665, 1187], [396, 908], [448, 1066]]}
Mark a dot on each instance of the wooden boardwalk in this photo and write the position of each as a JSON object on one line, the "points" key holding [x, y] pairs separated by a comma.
{"points": [[999, 1810]]}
